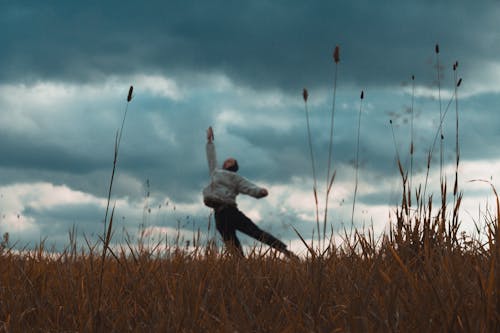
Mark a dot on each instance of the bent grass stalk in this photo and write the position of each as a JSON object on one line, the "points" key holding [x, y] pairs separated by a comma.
{"points": [[441, 121], [396, 149], [403, 174]]}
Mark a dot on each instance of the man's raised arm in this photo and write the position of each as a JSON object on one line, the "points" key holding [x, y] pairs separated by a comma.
{"points": [[211, 154]]}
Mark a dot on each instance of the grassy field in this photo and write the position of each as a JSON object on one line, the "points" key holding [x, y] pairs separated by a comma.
{"points": [[421, 276]]}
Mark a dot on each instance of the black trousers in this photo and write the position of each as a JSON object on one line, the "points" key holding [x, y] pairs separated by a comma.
{"points": [[230, 218]]}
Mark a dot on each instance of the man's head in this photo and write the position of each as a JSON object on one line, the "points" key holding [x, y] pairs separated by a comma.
{"points": [[230, 164]]}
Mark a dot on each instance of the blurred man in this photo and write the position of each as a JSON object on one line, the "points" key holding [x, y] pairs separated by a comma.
{"points": [[221, 194]]}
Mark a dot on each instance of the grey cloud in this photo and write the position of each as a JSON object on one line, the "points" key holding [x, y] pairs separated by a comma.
{"points": [[18, 152], [260, 44]]}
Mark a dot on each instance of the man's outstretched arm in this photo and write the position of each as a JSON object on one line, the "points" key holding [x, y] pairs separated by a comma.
{"points": [[249, 188]]}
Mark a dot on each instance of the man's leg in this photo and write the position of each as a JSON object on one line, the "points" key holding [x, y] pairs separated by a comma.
{"points": [[225, 226], [245, 225]]}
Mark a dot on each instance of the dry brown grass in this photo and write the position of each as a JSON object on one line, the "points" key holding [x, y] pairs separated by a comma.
{"points": [[419, 277]]}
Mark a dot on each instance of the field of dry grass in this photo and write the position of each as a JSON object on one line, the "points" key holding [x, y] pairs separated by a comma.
{"points": [[419, 277]]}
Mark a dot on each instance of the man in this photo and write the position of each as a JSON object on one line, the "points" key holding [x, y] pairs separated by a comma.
{"points": [[221, 194]]}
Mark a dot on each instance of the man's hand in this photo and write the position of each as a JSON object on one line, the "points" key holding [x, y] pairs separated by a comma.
{"points": [[210, 134], [263, 193]]}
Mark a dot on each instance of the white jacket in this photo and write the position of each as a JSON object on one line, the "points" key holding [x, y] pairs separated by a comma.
{"points": [[225, 185]]}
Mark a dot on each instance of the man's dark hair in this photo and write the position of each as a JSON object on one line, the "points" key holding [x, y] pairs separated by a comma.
{"points": [[234, 167]]}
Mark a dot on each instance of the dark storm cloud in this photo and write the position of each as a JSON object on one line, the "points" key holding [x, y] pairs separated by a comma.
{"points": [[87, 217], [20, 152], [285, 44]]}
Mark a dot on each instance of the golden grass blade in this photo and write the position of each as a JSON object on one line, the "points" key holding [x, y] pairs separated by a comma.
{"points": [[311, 251]]}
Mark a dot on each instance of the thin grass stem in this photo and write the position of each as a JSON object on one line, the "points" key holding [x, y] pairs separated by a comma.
{"points": [[412, 135], [118, 139], [456, 195], [356, 159], [329, 181], [305, 95], [441, 152], [107, 231]]}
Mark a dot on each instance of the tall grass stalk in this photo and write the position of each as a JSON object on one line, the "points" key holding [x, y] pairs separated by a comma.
{"points": [[412, 135], [118, 139], [106, 238], [356, 158], [456, 195], [457, 145], [305, 96], [329, 180], [441, 152]]}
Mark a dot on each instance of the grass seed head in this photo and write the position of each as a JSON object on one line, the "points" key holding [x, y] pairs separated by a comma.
{"points": [[437, 48], [459, 82], [129, 96], [336, 55], [305, 94], [362, 94]]}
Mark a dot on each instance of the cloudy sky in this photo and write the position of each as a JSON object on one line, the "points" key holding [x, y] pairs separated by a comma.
{"points": [[66, 68]]}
